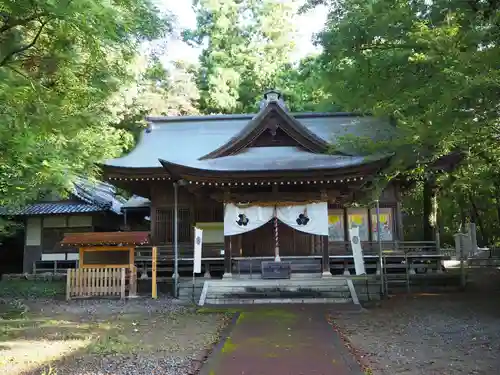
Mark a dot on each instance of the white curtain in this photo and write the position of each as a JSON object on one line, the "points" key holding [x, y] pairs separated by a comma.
{"points": [[309, 218], [238, 220]]}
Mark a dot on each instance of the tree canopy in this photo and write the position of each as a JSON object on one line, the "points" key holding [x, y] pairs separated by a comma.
{"points": [[432, 66], [247, 45], [60, 63], [74, 89]]}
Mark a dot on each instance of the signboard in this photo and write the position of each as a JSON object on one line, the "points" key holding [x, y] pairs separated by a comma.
{"points": [[358, 218], [385, 228], [336, 226], [357, 251], [198, 241], [276, 270]]}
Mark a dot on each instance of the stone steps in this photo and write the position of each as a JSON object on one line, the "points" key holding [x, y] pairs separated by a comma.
{"points": [[255, 291], [256, 301]]}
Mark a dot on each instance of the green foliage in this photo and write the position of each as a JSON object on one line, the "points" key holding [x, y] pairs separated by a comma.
{"points": [[60, 63], [248, 45], [31, 289], [12, 309], [303, 88], [433, 67]]}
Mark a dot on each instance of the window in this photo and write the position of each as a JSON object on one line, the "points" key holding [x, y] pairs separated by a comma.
{"points": [[358, 217], [386, 224], [164, 228], [336, 225]]}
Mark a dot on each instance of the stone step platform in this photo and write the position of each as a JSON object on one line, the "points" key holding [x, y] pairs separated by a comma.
{"points": [[255, 291]]}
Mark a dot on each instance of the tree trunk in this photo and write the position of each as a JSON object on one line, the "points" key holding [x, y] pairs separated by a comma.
{"points": [[497, 199], [430, 209], [476, 218]]}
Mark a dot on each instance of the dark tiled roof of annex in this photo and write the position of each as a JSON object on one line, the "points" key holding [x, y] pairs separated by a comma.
{"points": [[87, 197]]}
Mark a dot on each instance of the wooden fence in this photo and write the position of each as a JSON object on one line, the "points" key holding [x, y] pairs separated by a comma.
{"points": [[100, 282]]}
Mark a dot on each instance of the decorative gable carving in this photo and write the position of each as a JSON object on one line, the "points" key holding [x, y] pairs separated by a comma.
{"points": [[271, 127]]}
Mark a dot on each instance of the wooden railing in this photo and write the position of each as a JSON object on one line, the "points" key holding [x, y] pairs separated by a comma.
{"points": [[53, 266], [388, 247], [100, 282], [166, 252]]}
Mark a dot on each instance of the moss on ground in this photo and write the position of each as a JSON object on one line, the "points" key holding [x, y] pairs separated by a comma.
{"points": [[31, 289]]}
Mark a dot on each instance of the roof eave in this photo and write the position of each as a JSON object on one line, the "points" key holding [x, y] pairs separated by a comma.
{"points": [[182, 172]]}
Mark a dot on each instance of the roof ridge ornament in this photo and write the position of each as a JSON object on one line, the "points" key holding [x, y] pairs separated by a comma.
{"points": [[273, 96]]}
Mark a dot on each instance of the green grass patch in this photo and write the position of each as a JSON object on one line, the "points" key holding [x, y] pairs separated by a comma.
{"points": [[12, 309], [116, 344], [31, 288], [217, 310], [229, 346]]}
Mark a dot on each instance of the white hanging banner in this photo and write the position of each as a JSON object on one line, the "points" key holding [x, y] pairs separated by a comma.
{"points": [[238, 220], [198, 241], [309, 218], [357, 251]]}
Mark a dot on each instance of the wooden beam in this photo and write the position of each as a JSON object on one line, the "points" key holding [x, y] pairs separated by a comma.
{"points": [[274, 196]]}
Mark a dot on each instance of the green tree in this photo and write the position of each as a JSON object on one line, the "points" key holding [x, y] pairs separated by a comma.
{"points": [[61, 61], [433, 67], [303, 87], [158, 91], [247, 45]]}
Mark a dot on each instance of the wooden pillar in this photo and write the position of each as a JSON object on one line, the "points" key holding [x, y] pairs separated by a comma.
{"points": [[80, 257], [227, 256], [239, 245], [132, 291], [346, 232], [326, 258], [154, 293]]}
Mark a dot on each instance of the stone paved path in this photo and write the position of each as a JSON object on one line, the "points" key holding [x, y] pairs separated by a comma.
{"points": [[290, 340]]}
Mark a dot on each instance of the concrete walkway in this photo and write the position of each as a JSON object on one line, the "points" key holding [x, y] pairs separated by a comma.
{"points": [[282, 340]]}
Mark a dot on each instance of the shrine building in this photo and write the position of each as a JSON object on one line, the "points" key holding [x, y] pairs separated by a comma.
{"points": [[272, 185]]}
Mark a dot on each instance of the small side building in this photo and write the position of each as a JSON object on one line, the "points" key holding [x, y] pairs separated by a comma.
{"points": [[90, 207]]}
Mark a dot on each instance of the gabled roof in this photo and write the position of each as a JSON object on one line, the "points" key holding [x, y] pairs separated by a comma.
{"points": [[86, 197], [258, 125], [186, 139]]}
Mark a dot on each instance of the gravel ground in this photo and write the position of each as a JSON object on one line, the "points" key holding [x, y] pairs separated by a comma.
{"points": [[107, 306], [107, 337], [431, 334]]}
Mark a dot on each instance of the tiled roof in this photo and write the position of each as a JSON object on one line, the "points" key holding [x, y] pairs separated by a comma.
{"points": [[98, 193], [53, 208], [87, 197], [136, 202], [105, 238], [278, 159], [185, 139]]}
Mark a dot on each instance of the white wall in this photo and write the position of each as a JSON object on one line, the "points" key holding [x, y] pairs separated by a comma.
{"points": [[34, 231]]}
